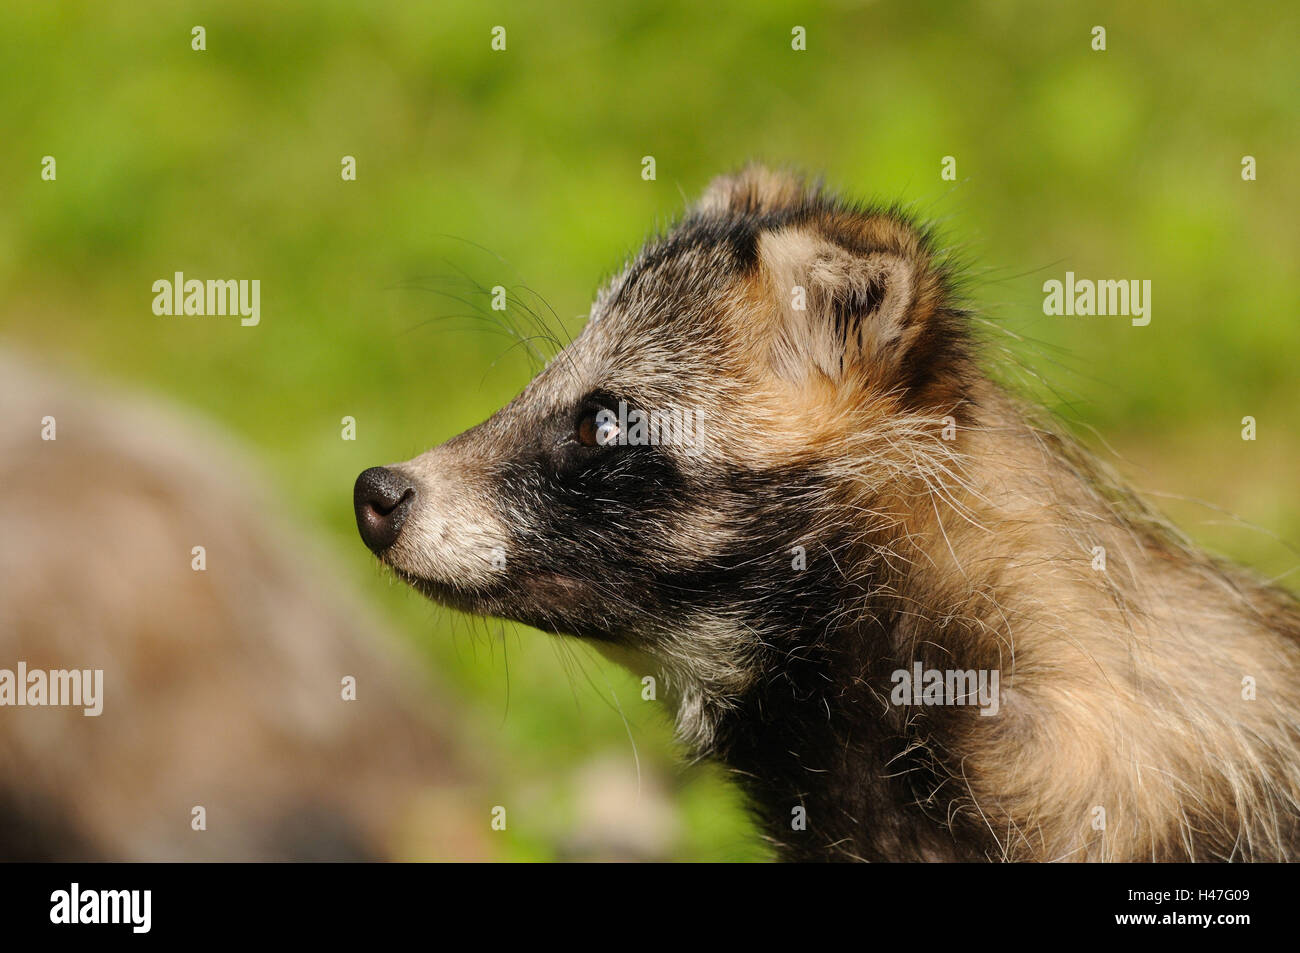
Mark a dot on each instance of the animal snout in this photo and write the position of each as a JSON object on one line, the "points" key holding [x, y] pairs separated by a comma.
{"points": [[382, 498]]}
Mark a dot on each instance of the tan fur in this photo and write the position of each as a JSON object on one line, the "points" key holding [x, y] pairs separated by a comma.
{"points": [[1123, 688]]}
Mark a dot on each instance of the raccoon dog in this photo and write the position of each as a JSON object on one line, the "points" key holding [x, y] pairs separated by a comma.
{"points": [[916, 623]]}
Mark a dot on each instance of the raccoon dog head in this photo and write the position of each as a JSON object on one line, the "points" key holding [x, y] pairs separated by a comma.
{"points": [[689, 479]]}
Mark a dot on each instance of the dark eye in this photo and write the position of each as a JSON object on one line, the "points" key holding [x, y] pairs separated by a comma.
{"points": [[597, 427]]}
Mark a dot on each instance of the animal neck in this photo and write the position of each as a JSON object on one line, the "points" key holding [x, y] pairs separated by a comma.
{"points": [[834, 768]]}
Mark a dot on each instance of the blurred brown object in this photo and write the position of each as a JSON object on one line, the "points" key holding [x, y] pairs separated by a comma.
{"points": [[222, 687]]}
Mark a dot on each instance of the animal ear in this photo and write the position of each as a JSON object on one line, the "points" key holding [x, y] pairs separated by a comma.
{"points": [[755, 189], [870, 313]]}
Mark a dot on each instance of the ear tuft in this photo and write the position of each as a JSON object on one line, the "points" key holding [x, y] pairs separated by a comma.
{"points": [[853, 315], [866, 298], [755, 190]]}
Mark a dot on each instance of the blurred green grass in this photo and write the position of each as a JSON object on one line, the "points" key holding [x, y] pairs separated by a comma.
{"points": [[523, 168]]}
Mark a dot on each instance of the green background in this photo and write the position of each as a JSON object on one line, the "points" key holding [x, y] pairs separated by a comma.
{"points": [[523, 168]]}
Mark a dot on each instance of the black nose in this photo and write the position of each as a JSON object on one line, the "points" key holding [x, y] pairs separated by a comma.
{"points": [[382, 499]]}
